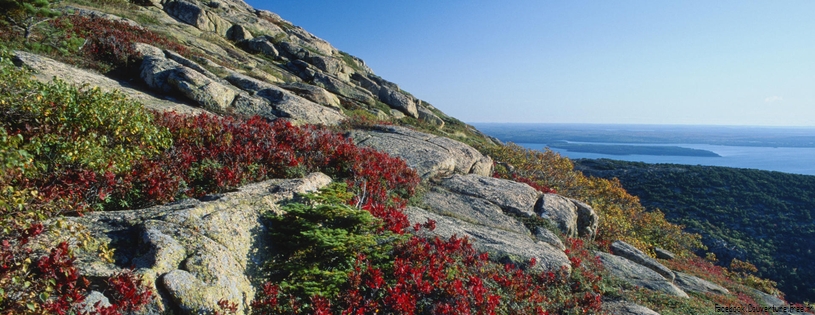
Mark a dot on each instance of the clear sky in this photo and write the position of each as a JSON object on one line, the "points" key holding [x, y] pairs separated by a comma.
{"points": [[706, 62]]}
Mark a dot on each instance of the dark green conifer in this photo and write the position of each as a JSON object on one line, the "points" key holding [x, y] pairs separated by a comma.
{"points": [[25, 15]]}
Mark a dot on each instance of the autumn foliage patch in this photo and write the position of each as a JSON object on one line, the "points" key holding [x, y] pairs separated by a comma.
{"points": [[448, 276]]}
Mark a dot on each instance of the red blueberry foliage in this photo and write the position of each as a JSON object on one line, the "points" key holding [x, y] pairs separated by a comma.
{"points": [[438, 276], [530, 182], [526, 180], [56, 275], [111, 41], [213, 154]]}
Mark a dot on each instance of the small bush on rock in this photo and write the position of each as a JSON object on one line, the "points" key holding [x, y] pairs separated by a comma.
{"points": [[320, 240]]}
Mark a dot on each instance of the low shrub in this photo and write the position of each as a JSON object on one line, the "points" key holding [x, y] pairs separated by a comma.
{"points": [[111, 42], [442, 276], [319, 240]]}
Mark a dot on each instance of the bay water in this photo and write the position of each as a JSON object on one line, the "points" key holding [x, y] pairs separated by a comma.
{"points": [[782, 159]]}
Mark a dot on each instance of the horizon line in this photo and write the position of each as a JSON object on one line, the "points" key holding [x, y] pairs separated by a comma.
{"points": [[646, 124]]}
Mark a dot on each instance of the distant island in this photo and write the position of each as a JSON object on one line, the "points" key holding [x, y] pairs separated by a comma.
{"points": [[619, 149]]}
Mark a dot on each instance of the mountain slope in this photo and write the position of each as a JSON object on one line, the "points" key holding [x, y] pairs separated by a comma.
{"points": [[250, 167]]}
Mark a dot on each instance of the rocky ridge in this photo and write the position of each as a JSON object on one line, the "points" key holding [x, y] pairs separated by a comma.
{"points": [[196, 252]]}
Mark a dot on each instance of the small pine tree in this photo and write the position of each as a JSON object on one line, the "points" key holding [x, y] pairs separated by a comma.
{"points": [[25, 15]]}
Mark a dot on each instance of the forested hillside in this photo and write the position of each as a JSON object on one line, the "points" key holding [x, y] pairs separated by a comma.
{"points": [[757, 216]]}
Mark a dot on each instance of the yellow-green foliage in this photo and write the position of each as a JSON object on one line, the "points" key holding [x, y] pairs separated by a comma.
{"points": [[622, 216], [69, 126]]}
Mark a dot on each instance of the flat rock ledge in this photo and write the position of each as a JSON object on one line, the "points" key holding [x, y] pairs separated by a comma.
{"points": [[511, 196], [630, 252], [501, 244], [430, 155], [638, 275], [471, 209], [691, 283], [194, 252]]}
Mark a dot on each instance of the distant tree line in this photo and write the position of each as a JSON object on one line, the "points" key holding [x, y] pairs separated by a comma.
{"points": [[762, 217]]}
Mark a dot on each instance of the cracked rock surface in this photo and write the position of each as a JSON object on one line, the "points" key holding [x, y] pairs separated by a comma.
{"points": [[501, 244], [194, 252], [428, 154]]}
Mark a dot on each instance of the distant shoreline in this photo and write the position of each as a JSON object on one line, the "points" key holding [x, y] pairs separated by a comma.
{"points": [[617, 149], [771, 137]]}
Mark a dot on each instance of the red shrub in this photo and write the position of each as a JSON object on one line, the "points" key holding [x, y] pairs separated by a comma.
{"points": [[127, 294], [526, 180], [112, 41], [212, 154], [436, 276]]}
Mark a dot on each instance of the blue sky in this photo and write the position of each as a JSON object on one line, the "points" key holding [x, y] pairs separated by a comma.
{"points": [[651, 62]]}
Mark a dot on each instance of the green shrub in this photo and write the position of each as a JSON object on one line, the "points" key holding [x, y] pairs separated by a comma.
{"points": [[321, 239], [68, 126], [24, 16]]}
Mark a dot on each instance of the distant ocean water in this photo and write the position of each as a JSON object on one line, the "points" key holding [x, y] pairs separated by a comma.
{"points": [[782, 149], [782, 159]]}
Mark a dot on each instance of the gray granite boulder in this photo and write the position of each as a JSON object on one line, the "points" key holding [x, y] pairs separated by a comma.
{"points": [[587, 220], [501, 244], [638, 275], [471, 209], [262, 45], [88, 306], [624, 249], [429, 117], [195, 15], [559, 210], [155, 69], [300, 109], [547, 236], [397, 114], [313, 93], [429, 155], [284, 103], [174, 56], [341, 87], [572, 217], [210, 94], [166, 75], [238, 33], [398, 100], [193, 252], [768, 299], [186, 11], [691, 283], [328, 64], [250, 105], [663, 254], [510, 195]]}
